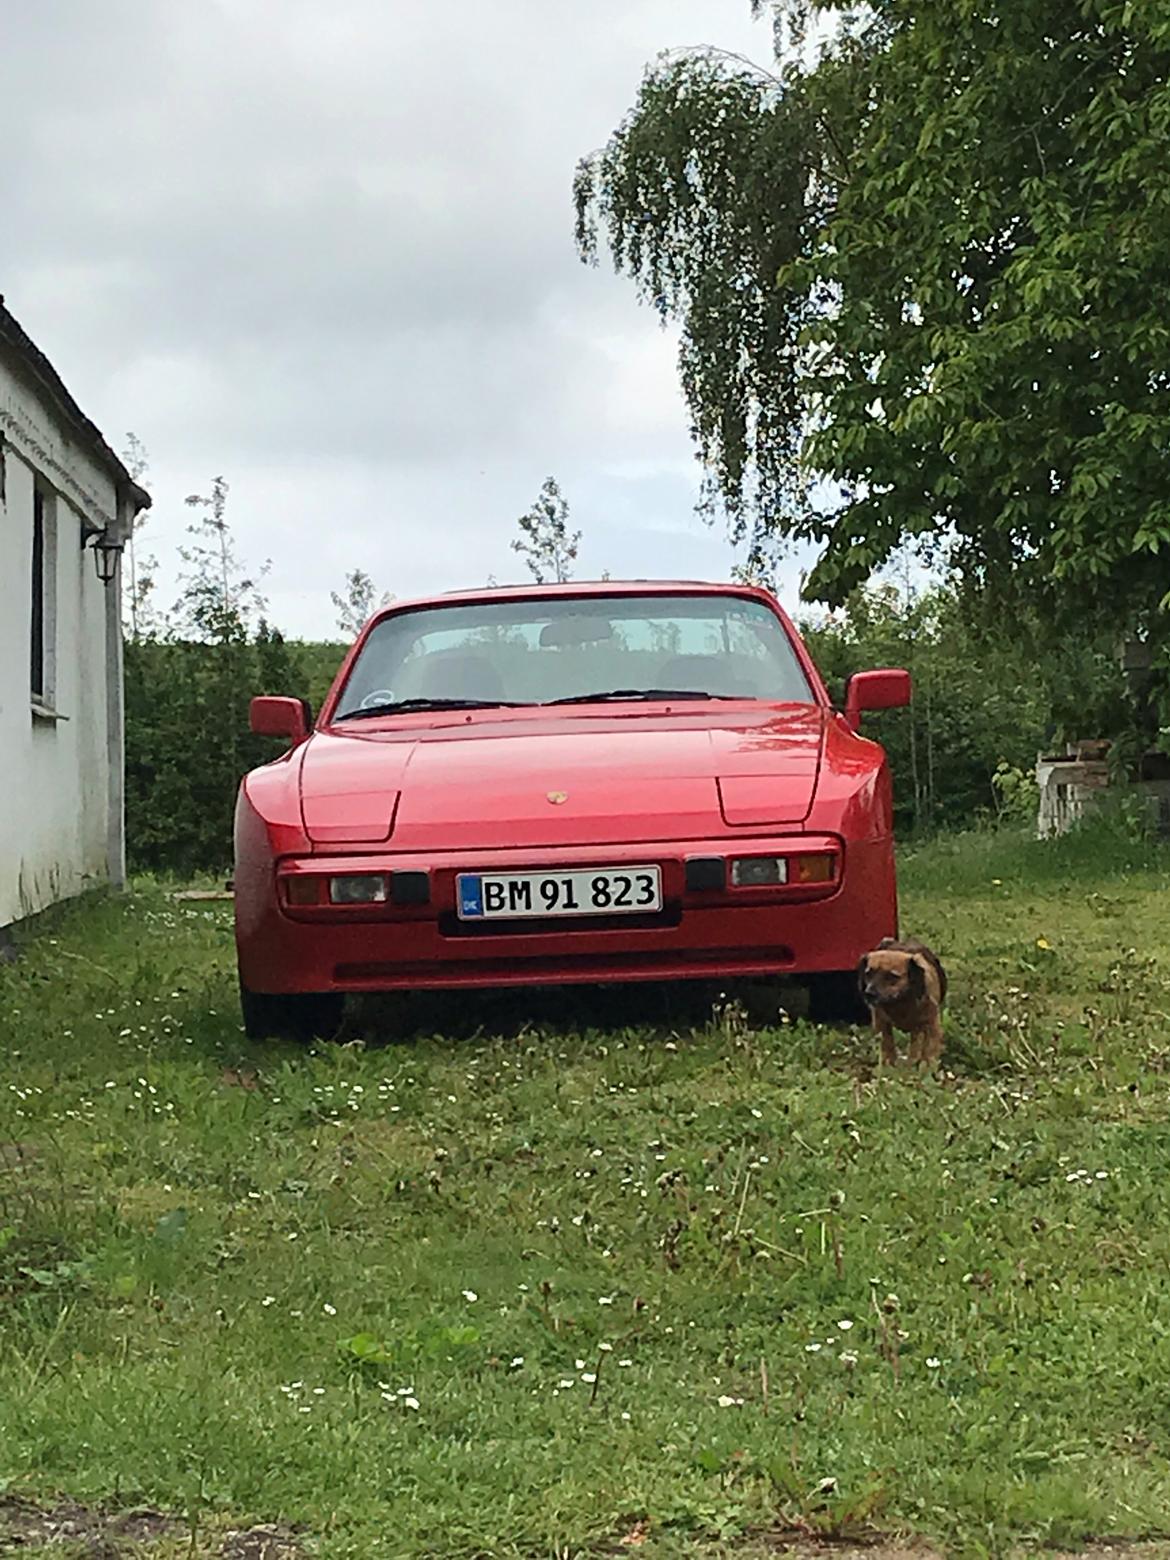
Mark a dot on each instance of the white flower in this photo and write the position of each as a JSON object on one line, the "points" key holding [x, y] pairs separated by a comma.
{"points": [[812, 1348], [318, 1391], [730, 1402], [470, 1296], [517, 1361], [623, 1364], [605, 1299], [845, 1325], [330, 1310], [268, 1300], [588, 1377], [932, 1363], [605, 1348], [625, 1416], [578, 1364], [411, 1402], [565, 1382], [758, 1114], [848, 1359]]}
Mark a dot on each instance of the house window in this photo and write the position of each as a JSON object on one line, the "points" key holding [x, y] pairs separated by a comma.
{"points": [[42, 647]]}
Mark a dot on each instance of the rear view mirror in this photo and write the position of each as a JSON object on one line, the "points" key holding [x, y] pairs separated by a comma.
{"points": [[888, 689], [563, 632], [278, 717]]}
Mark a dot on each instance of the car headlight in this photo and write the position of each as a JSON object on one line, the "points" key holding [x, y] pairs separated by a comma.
{"points": [[759, 871], [365, 888]]}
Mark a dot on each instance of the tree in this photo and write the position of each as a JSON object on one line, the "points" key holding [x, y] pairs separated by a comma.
{"points": [[220, 600], [187, 692], [141, 618], [545, 543], [357, 605], [981, 701], [924, 291]]}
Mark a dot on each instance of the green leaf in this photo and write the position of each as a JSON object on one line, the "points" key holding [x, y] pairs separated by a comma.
{"points": [[367, 1349]]}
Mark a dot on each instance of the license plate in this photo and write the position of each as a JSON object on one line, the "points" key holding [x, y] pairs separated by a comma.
{"points": [[490, 896]]}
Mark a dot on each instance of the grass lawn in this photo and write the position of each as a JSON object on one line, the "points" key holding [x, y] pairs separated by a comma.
{"points": [[534, 1282]]}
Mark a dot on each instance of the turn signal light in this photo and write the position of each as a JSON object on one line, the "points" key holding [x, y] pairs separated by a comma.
{"points": [[812, 869], [366, 888]]}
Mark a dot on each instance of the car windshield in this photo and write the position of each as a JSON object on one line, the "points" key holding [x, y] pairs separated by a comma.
{"points": [[611, 648]]}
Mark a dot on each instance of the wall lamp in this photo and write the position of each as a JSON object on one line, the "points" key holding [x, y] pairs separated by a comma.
{"points": [[106, 552]]}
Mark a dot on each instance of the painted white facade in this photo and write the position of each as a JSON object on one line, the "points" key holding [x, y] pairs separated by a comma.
{"points": [[61, 828]]}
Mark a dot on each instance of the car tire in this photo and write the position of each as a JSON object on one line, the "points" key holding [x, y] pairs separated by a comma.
{"points": [[291, 1016], [835, 999]]}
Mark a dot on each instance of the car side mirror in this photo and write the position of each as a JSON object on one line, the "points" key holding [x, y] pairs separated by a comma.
{"points": [[273, 717], [885, 690]]}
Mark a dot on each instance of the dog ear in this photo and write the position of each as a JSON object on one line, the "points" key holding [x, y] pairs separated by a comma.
{"points": [[916, 974], [862, 967]]}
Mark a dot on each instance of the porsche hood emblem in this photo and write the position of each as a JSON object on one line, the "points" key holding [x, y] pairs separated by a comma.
{"points": [[558, 797]]}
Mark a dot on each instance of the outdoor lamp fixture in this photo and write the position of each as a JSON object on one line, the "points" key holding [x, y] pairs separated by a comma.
{"points": [[106, 552]]}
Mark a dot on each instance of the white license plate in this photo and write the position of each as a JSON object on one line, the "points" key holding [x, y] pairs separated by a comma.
{"points": [[512, 896]]}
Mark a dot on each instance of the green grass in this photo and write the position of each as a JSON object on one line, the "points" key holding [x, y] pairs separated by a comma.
{"points": [[228, 1272]]}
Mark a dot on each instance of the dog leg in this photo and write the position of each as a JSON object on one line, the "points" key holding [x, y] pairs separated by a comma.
{"points": [[926, 1045], [932, 1042], [885, 1032]]}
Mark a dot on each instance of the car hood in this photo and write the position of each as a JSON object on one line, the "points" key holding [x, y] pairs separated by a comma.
{"points": [[558, 779]]}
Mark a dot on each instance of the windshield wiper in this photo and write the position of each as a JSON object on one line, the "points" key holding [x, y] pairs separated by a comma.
{"points": [[645, 695], [401, 706]]}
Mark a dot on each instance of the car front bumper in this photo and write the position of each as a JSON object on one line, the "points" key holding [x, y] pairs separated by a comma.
{"points": [[700, 934]]}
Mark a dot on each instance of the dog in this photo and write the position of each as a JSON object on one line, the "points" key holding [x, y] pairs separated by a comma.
{"points": [[904, 986]]}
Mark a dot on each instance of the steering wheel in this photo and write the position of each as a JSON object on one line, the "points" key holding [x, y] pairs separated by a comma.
{"points": [[379, 696]]}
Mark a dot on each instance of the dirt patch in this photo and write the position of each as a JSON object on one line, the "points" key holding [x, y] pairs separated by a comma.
{"points": [[799, 1547], [797, 1544], [261, 1543], [1118, 1549], [792, 1542], [25, 1526], [103, 1535]]}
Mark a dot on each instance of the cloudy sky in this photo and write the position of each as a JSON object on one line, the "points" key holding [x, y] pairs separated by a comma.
{"points": [[324, 247]]}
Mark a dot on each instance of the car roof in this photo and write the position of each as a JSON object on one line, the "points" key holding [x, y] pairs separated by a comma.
{"points": [[578, 589]]}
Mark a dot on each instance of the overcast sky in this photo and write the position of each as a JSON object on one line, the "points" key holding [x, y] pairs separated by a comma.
{"points": [[324, 247]]}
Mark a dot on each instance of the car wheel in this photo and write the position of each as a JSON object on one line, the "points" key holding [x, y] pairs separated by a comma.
{"points": [[291, 1016], [835, 999]]}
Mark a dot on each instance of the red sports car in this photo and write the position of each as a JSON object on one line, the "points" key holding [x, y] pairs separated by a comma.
{"points": [[571, 783]]}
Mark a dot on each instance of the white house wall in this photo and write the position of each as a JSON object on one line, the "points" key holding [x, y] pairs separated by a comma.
{"points": [[54, 775]]}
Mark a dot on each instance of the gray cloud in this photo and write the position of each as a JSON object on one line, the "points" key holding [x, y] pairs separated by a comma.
{"points": [[326, 250]]}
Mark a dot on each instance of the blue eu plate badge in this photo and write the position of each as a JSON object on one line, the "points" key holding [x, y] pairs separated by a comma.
{"points": [[471, 895]]}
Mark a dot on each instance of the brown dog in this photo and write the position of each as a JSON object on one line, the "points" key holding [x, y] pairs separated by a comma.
{"points": [[904, 986]]}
